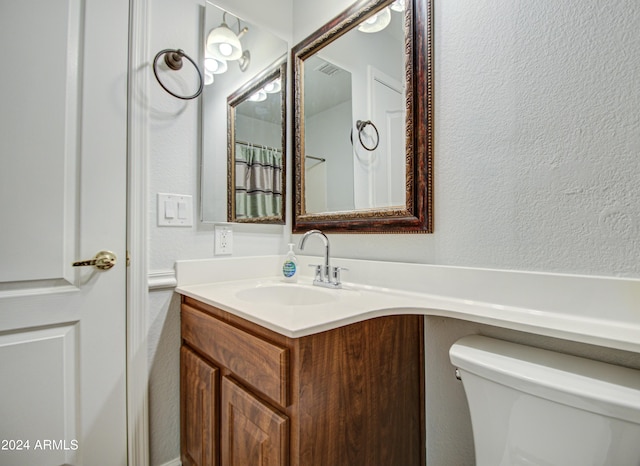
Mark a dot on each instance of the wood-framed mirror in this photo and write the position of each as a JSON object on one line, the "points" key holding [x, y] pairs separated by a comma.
{"points": [[363, 122], [256, 148]]}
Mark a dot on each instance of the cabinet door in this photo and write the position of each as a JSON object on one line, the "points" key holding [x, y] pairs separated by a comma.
{"points": [[252, 433], [198, 397]]}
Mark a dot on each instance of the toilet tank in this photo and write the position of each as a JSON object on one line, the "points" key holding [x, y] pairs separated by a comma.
{"points": [[530, 406]]}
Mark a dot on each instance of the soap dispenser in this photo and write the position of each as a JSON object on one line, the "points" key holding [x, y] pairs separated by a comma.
{"points": [[290, 266]]}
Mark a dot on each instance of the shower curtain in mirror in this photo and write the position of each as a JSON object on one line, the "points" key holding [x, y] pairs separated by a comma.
{"points": [[258, 181]]}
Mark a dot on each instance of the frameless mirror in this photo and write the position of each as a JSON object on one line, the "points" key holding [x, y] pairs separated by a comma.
{"points": [[260, 49], [362, 100], [256, 139]]}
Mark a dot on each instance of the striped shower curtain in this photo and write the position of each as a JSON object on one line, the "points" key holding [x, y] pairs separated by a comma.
{"points": [[258, 182]]}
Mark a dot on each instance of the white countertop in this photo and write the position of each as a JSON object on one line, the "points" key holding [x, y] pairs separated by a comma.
{"points": [[602, 311]]}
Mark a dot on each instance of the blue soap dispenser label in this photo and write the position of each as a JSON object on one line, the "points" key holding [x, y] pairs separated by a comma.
{"points": [[289, 269], [290, 265]]}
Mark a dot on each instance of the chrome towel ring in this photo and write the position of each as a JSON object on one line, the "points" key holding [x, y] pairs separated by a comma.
{"points": [[173, 59]]}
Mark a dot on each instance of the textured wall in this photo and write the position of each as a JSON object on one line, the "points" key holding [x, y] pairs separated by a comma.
{"points": [[173, 168], [164, 377], [537, 135]]}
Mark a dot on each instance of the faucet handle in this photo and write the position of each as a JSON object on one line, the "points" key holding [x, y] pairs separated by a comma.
{"points": [[335, 272], [318, 271]]}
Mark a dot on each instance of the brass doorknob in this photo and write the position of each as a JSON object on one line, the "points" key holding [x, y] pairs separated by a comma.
{"points": [[104, 260]]}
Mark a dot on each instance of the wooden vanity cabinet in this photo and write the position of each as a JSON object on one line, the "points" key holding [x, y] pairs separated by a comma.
{"points": [[353, 395]]}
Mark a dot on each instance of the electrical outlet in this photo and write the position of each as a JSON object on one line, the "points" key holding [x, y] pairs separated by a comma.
{"points": [[223, 240]]}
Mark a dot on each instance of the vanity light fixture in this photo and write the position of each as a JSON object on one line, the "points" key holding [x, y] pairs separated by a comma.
{"points": [[376, 22], [223, 43]]}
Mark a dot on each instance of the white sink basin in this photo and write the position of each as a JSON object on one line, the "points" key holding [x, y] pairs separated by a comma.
{"points": [[287, 294]]}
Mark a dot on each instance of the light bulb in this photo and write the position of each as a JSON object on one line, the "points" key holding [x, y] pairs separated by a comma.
{"points": [[215, 65], [398, 5], [225, 49], [272, 87], [376, 22], [372, 19], [258, 96], [211, 64]]}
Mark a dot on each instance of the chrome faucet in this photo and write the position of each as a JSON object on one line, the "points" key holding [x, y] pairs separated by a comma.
{"points": [[325, 275]]}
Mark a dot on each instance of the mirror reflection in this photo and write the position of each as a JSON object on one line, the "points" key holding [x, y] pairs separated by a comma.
{"points": [[258, 50], [363, 128], [354, 91], [256, 147]]}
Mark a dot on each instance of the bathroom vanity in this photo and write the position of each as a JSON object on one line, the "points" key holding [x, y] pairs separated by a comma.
{"points": [[311, 375], [350, 395]]}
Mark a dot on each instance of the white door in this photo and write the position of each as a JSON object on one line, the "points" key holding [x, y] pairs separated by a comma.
{"points": [[63, 141], [388, 177]]}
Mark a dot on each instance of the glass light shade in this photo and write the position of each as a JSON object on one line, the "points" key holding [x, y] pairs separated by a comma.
{"points": [[258, 96], [377, 22], [215, 65], [273, 87], [398, 5], [222, 43], [208, 78]]}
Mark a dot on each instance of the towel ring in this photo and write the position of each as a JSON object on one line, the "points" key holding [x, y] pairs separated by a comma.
{"points": [[360, 126], [173, 59]]}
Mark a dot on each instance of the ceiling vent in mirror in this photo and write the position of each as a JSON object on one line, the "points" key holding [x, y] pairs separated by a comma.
{"points": [[327, 68]]}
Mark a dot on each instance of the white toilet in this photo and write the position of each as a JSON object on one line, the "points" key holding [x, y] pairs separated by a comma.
{"points": [[535, 407]]}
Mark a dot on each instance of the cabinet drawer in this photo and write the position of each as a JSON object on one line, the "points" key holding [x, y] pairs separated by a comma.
{"points": [[259, 363]]}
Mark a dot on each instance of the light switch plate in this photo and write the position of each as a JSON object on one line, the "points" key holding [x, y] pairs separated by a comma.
{"points": [[175, 210]]}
